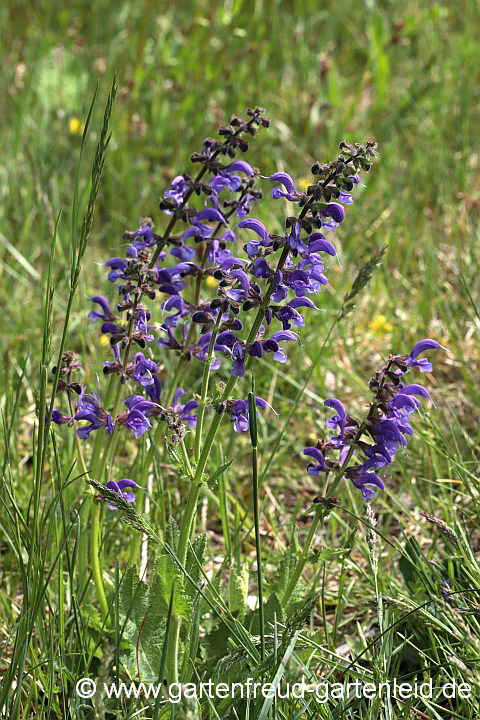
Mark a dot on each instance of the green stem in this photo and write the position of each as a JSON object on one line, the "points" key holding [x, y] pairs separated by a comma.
{"points": [[172, 649], [303, 558], [96, 531], [185, 530], [205, 381], [96, 565], [85, 510], [187, 521], [252, 419], [136, 537]]}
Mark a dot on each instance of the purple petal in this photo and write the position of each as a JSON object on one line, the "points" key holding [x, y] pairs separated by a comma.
{"points": [[284, 335], [209, 214], [240, 166], [400, 400], [229, 236], [302, 302], [126, 483], [259, 402], [415, 390], [285, 180], [321, 245], [316, 454], [242, 277], [336, 212], [103, 302], [336, 405], [256, 226], [423, 345]]}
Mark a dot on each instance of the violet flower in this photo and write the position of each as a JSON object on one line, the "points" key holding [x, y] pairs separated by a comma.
{"points": [[288, 184], [387, 422], [185, 411], [89, 408], [238, 411], [144, 369], [119, 486]]}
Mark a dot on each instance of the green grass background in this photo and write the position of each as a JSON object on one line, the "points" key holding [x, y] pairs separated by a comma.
{"points": [[403, 73]]}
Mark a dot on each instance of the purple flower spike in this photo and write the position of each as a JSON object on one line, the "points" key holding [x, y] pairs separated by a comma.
{"points": [[209, 214], [95, 314], [225, 339], [415, 390], [284, 335], [229, 236], [240, 166], [287, 183], [404, 401], [420, 347], [317, 455], [183, 253], [302, 302], [294, 240], [256, 226], [59, 418], [319, 244], [117, 266], [423, 345], [235, 294], [261, 269], [238, 357], [177, 190], [345, 198], [238, 411], [368, 479], [336, 405], [336, 212]]}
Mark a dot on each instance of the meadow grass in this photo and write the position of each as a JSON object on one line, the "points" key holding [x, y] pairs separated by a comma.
{"points": [[403, 74]]}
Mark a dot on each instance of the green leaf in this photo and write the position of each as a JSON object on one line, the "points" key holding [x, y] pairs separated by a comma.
{"points": [[195, 563], [287, 567], [174, 457], [169, 575], [144, 621], [172, 533], [213, 479], [238, 589], [272, 609]]}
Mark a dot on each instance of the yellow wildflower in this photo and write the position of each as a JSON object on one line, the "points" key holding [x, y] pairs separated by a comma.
{"points": [[104, 340], [304, 182], [75, 126], [211, 282], [380, 325]]}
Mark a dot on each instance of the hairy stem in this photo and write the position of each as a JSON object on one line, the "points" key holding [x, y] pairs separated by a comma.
{"points": [[96, 560], [303, 558]]}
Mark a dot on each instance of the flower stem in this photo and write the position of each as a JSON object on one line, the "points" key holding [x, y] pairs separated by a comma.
{"points": [[303, 558], [185, 530], [98, 469], [96, 564], [252, 421]]}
